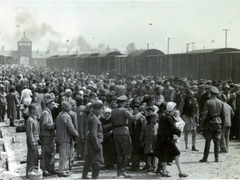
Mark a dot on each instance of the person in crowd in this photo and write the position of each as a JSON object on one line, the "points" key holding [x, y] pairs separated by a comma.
{"points": [[109, 152], [3, 103], [65, 135], [213, 123], [83, 131], [122, 140], [168, 91], [234, 102], [12, 105], [179, 123], [135, 128], [67, 96], [32, 134], [148, 138], [94, 157], [188, 107], [26, 96], [47, 127], [120, 89], [229, 114], [166, 148]]}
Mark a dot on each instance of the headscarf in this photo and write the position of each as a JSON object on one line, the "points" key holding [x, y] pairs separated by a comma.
{"points": [[105, 111]]}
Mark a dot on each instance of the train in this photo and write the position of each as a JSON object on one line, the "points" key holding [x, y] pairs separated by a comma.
{"points": [[222, 63]]}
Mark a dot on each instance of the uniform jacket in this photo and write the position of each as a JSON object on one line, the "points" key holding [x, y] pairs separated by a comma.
{"points": [[119, 118], [95, 135], [213, 108], [46, 123], [65, 131]]}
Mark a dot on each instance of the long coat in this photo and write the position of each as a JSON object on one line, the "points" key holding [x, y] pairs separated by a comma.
{"points": [[12, 102], [165, 147], [109, 151], [95, 139]]}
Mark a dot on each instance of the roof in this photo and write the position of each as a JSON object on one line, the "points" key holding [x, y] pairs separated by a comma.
{"points": [[213, 50], [110, 54], [145, 52], [89, 55], [25, 39]]}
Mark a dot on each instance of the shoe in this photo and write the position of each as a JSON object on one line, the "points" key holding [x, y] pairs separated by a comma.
{"points": [[169, 164], [165, 175], [63, 174], [223, 151], [216, 160], [46, 173], [194, 148], [125, 174], [182, 175], [203, 160]]}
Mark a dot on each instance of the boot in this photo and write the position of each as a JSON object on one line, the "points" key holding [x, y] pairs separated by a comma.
{"points": [[85, 173], [124, 174], [96, 168], [194, 148]]}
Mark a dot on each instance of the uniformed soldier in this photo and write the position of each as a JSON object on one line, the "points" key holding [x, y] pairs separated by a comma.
{"points": [[122, 139], [212, 123], [94, 157]]}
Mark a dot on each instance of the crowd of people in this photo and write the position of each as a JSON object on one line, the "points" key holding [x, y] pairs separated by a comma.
{"points": [[109, 120]]}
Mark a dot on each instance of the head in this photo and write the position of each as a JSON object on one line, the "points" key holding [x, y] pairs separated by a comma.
{"points": [[149, 110], [68, 92], [106, 113], [177, 113], [97, 107], [135, 109], [171, 106], [190, 94], [66, 106], [33, 109], [49, 101]]}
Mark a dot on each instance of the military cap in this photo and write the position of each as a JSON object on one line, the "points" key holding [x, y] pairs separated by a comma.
{"points": [[97, 104], [122, 98], [214, 90]]}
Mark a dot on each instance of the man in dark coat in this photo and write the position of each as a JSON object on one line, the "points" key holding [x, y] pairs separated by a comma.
{"points": [[94, 157], [121, 135], [12, 103], [212, 123]]}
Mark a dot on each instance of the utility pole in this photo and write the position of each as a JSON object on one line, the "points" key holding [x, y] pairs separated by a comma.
{"points": [[226, 37], [168, 45], [147, 46], [187, 47], [108, 48]]}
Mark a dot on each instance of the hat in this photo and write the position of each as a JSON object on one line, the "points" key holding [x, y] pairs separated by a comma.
{"points": [[107, 110], [226, 86], [170, 106], [122, 98], [214, 90], [68, 90], [202, 86], [133, 83], [81, 92], [66, 106], [207, 86], [47, 98], [97, 104], [88, 107]]}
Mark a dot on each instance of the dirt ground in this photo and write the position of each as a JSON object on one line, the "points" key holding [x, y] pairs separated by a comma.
{"points": [[227, 168]]}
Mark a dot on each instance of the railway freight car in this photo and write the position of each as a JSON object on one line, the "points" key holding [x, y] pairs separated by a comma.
{"points": [[137, 62], [200, 64]]}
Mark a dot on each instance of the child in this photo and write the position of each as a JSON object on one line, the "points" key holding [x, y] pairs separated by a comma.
{"points": [[148, 139], [179, 124]]}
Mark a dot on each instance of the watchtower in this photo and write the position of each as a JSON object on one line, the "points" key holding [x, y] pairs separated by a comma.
{"points": [[24, 50]]}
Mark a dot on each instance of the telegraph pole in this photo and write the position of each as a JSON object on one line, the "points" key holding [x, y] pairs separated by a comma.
{"points": [[147, 46], [168, 45], [108, 48], [226, 37]]}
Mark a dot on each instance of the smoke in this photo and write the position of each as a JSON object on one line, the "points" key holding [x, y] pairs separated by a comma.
{"points": [[80, 43], [131, 47]]}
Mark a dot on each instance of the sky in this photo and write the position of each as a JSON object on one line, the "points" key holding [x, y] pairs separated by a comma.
{"points": [[97, 26]]}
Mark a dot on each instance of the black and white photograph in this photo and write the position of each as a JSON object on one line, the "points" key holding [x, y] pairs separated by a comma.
{"points": [[119, 89]]}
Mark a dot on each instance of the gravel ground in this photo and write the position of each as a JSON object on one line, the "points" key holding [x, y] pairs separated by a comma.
{"points": [[227, 168]]}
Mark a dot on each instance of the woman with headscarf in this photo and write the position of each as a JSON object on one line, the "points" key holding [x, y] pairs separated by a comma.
{"points": [[109, 152], [12, 104], [166, 149]]}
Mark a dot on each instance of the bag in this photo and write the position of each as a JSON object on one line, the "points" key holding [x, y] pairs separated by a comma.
{"points": [[215, 123], [21, 127]]}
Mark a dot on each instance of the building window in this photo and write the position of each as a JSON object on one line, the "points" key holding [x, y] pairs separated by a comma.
{"points": [[28, 44], [20, 44]]}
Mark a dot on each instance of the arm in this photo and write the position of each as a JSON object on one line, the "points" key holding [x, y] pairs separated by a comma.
{"points": [[45, 121], [93, 127], [204, 114], [70, 127], [29, 132]]}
